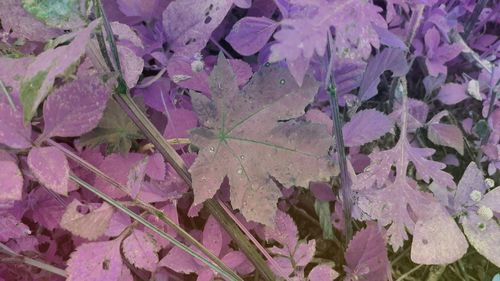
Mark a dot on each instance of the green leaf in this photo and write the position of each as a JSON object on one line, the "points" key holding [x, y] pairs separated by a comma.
{"points": [[322, 209], [63, 14], [29, 90], [115, 129]]}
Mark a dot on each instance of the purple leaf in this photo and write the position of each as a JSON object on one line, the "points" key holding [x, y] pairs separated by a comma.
{"points": [[180, 71], [492, 200], [180, 121], [117, 166], [10, 72], [180, 261], [47, 208], [135, 177], [284, 231], [438, 54], [131, 65], [141, 250], [389, 39], [250, 34], [12, 228], [304, 253], [389, 59], [366, 126], [78, 217], [446, 135], [11, 181], [156, 167], [244, 4], [13, 132], [97, 261], [139, 8], [75, 108], [452, 93], [417, 114], [257, 145], [49, 65], [189, 23], [322, 272], [50, 167], [366, 256]]}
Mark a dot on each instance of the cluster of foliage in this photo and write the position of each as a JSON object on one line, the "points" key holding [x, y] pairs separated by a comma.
{"points": [[243, 91]]}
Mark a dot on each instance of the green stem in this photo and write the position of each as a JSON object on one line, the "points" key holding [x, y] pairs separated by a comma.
{"points": [[29, 261], [402, 277], [345, 179], [228, 274], [146, 206], [124, 99]]}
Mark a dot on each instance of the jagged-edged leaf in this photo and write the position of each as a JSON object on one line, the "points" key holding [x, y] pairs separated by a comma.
{"points": [[115, 129], [50, 167], [366, 255], [47, 66], [64, 14], [97, 261], [323, 272], [141, 250], [11, 181], [87, 220], [366, 126], [242, 139], [75, 108], [13, 132]]}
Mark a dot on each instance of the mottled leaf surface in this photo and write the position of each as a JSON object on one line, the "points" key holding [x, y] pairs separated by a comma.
{"points": [[13, 132], [50, 167], [242, 139], [141, 250], [322, 273], [10, 227], [87, 220], [97, 261], [56, 13], [11, 181], [47, 66], [75, 108], [189, 23]]}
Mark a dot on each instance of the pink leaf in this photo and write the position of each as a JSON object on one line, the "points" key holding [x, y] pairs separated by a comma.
{"points": [[13, 132], [322, 273], [156, 167], [446, 135], [484, 235], [50, 167], [97, 261], [366, 256], [304, 253], [87, 221], [452, 93], [212, 236], [131, 65], [135, 177], [11, 181], [366, 126], [10, 228], [180, 261], [141, 250], [117, 166], [75, 108]]}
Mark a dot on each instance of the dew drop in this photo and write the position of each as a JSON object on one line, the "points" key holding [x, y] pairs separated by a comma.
{"points": [[242, 157], [485, 212], [267, 64], [240, 171], [489, 182], [282, 81], [475, 195], [211, 149]]}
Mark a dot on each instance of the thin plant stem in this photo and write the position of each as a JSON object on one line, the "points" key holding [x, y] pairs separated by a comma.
{"points": [[126, 102], [402, 277], [435, 272], [471, 21], [32, 262], [148, 207], [7, 95], [228, 274], [226, 53], [345, 179]]}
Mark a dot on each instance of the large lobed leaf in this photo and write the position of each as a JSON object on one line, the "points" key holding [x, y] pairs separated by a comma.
{"points": [[242, 138]]}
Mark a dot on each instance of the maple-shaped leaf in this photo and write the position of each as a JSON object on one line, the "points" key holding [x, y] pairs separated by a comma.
{"points": [[11, 179], [115, 129], [75, 108], [49, 65], [13, 132], [141, 250], [50, 167], [78, 217], [97, 261], [366, 256], [242, 138]]}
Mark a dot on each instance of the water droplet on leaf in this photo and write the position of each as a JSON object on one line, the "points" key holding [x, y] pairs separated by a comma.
{"points": [[475, 195], [282, 81], [211, 149]]}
